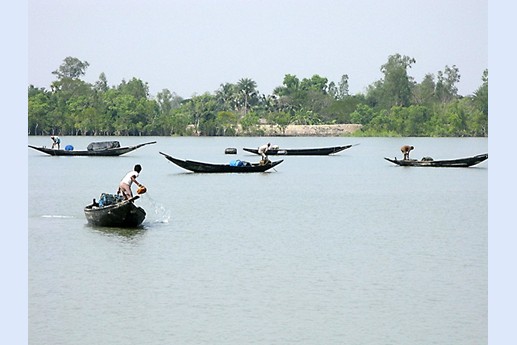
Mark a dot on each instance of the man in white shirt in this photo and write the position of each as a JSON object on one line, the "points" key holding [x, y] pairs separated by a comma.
{"points": [[125, 184], [262, 150]]}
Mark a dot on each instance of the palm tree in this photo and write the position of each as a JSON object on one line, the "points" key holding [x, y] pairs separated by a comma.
{"points": [[225, 96], [246, 91]]}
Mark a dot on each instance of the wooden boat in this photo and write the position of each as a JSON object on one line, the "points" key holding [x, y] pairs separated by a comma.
{"points": [[449, 163], [94, 151], [200, 167], [121, 214], [321, 151]]}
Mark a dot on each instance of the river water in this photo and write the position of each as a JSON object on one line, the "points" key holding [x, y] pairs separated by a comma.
{"points": [[342, 249]]}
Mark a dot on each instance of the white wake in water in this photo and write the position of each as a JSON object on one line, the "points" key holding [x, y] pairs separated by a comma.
{"points": [[55, 216]]}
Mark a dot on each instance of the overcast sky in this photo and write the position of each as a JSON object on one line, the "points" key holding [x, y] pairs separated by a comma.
{"points": [[193, 46]]}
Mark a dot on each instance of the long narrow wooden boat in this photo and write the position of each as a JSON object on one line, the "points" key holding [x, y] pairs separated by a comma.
{"points": [[449, 163], [122, 214], [320, 151], [200, 167], [113, 151]]}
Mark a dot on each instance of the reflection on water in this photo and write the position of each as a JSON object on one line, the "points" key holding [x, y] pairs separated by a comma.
{"points": [[123, 232]]}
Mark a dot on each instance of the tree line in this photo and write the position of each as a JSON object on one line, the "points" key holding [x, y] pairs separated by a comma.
{"points": [[395, 105]]}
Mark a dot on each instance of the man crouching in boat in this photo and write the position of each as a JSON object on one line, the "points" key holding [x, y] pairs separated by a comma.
{"points": [[405, 150], [262, 150], [56, 141], [125, 184]]}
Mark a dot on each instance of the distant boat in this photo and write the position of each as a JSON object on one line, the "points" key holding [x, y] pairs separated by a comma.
{"points": [[238, 167], [320, 151], [121, 214], [105, 148], [449, 163]]}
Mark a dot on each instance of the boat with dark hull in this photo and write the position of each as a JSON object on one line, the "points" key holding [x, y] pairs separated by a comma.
{"points": [[448, 163], [94, 149], [120, 214], [319, 151], [239, 167]]}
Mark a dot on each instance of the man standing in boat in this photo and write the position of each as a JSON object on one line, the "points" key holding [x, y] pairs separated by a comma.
{"points": [[125, 184], [405, 150], [262, 150], [56, 141]]}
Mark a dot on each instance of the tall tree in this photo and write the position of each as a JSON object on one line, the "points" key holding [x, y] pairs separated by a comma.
{"points": [[167, 101], [396, 85], [315, 83], [225, 95], [101, 85], [291, 84], [71, 68], [424, 93], [247, 91], [135, 87], [343, 88], [332, 90], [39, 106], [481, 94], [446, 89]]}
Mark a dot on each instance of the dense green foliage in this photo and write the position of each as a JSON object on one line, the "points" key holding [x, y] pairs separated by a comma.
{"points": [[396, 105]]}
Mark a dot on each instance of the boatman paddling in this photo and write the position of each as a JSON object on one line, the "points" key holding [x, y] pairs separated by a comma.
{"points": [[405, 150], [125, 184]]}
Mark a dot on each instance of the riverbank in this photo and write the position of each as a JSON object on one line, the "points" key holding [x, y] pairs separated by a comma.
{"points": [[289, 131], [311, 130]]}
